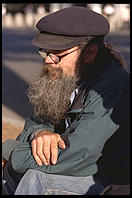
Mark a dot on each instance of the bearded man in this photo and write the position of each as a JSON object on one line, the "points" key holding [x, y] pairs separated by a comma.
{"points": [[78, 141]]}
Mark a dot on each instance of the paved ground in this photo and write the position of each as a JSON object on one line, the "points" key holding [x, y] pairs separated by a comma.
{"points": [[21, 65], [10, 131]]}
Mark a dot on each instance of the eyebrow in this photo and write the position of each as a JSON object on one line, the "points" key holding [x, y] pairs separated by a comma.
{"points": [[55, 51]]}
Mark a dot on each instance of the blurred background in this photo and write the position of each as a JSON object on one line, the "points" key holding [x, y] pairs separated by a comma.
{"points": [[26, 15], [21, 64]]}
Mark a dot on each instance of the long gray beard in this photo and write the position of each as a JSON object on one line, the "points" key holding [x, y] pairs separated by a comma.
{"points": [[50, 95]]}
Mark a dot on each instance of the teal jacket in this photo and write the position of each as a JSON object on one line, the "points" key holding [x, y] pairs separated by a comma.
{"points": [[95, 115]]}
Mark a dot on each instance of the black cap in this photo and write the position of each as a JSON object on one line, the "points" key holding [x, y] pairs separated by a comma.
{"points": [[69, 27]]}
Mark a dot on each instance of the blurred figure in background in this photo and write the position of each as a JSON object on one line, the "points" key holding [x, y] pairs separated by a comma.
{"points": [[16, 8], [29, 15]]}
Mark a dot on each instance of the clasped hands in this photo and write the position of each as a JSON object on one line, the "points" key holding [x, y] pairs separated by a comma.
{"points": [[45, 147]]}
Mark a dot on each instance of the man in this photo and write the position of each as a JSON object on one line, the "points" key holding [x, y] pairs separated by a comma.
{"points": [[81, 101]]}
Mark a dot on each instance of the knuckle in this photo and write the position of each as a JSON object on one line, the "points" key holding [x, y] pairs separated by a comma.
{"points": [[39, 153], [54, 145], [34, 153], [39, 138], [46, 152], [55, 138], [51, 137], [35, 156], [33, 142], [46, 137]]}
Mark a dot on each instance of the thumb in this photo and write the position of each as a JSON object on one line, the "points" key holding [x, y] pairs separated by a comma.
{"points": [[61, 144]]}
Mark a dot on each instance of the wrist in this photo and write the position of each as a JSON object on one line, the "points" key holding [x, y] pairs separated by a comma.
{"points": [[34, 134]]}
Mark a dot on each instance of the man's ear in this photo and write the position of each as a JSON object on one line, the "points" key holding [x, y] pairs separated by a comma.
{"points": [[90, 53]]}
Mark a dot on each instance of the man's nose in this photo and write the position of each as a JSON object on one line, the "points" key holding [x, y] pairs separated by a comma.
{"points": [[52, 58]]}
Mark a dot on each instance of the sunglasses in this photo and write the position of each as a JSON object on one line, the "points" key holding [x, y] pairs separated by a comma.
{"points": [[54, 56]]}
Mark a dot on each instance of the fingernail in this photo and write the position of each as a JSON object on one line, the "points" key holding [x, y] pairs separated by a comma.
{"points": [[46, 163], [40, 164]]}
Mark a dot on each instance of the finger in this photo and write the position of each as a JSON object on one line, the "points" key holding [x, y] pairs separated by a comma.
{"points": [[54, 152], [39, 150], [46, 150], [37, 159], [61, 144]]}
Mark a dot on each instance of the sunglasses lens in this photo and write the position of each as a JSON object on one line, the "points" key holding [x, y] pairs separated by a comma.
{"points": [[54, 58], [42, 53]]}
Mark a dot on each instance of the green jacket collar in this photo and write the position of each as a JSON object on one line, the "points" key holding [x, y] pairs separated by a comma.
{"points": [[78, 103]]}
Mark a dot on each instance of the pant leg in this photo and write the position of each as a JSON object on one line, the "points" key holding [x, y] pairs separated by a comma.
{"points": [[10, 180], [39, 183]]}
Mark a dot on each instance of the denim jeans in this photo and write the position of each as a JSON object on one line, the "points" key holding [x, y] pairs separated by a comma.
{"points": [[39, 183], [35, 182]]}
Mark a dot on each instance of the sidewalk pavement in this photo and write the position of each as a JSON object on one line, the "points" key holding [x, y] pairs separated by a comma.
{"points": [[10, 131]]}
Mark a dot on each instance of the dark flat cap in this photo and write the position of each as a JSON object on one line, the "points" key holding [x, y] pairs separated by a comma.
{"points": [[69, 27]]}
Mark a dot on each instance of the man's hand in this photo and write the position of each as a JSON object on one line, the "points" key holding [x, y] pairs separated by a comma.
{"points": [[45, 147]]}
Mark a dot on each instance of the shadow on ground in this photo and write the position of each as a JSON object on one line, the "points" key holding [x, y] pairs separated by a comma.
{"points": [[13, 86]]}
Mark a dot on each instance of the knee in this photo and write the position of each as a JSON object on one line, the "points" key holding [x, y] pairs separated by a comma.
{"points": [[31, 177], [31, 174]]}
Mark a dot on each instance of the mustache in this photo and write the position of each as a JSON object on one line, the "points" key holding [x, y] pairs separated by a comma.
{"points": [[52, 73]]}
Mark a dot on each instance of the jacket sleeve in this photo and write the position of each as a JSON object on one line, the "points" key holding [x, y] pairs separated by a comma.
{"points": [[85, 142], [31, 126]]}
